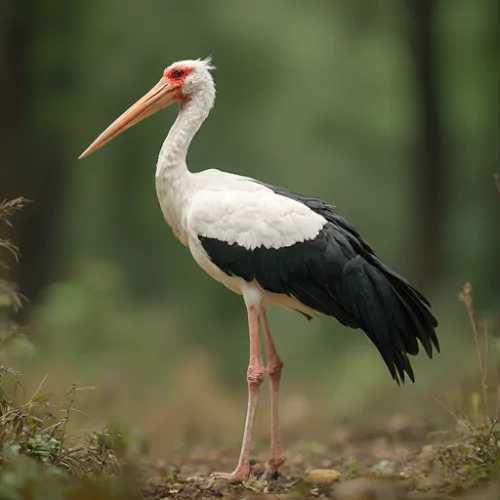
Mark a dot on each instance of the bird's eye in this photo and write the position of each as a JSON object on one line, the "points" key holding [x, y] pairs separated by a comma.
{"points": [[178, 73]]}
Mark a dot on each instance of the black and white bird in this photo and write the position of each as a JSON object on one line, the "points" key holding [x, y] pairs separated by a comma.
{"points": [[274, 248]]}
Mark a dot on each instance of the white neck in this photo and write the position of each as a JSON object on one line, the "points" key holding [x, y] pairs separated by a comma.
{"points": [[191, 116], [173, 180]]}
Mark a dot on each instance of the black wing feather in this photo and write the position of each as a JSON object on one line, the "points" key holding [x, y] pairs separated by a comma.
{"points": [[338, 274]]}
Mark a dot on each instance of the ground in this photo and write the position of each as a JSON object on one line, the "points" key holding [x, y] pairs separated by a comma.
{"points": [[355, 462]]}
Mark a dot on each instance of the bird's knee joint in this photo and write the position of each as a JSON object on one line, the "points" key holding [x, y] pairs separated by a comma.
{"points": [[274, 369], [255, 376]]}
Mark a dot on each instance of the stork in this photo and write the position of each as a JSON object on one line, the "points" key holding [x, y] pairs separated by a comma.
{"points": [[274, 248]]}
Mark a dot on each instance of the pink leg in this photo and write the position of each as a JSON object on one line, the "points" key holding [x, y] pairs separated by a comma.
{"points": [[274, 367], [255, 376]]}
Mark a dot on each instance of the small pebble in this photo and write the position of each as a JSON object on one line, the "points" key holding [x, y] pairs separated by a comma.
{"points": [[322, 476]]}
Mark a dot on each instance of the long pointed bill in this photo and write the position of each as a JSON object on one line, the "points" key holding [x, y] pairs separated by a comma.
{"points": [[160, 96]]}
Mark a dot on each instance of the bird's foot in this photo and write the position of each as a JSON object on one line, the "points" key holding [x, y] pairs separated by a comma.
{"points": [[272, 466], [240, 474]]}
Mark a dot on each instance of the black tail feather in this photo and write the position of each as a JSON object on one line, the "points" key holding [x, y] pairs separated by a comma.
{"points": [[391, 312]]}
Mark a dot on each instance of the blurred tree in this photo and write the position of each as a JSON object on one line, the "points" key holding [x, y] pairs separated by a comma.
{"points": [[33, 155], [16, 35], [430, 169]]}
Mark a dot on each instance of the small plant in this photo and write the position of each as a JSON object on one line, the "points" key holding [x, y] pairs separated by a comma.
{"points": [[474, 459], [482, 403], [38, 455], [476, 456], [37, 428], [473, 453], [10, 298]]}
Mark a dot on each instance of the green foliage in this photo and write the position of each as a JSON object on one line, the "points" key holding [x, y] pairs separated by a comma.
{"points": [[10, 298], [39, 454], [38, 428], [41, 458], [475, 458]]}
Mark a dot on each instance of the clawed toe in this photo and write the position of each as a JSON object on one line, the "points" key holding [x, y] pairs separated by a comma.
{"points": [[238, 476]]}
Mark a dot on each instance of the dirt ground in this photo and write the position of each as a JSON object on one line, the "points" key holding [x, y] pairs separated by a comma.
{"points": [[401, 458]]}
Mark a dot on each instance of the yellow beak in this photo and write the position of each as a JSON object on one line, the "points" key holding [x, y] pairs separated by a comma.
{"points": [[159, 97]]}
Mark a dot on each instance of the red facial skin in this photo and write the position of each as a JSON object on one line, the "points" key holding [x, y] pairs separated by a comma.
{"points": [[178, 81]]}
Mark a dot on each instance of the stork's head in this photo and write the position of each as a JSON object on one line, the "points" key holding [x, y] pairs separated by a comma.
{"points": [[182, 82], [189, 78]]}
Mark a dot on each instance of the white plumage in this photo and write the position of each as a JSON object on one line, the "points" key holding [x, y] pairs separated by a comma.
{"points": [[273, 247], [238, 210]]}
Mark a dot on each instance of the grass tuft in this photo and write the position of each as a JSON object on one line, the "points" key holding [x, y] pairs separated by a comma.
{"points": [[38, 429], [10, 297], [39, 456], [475, 456]]}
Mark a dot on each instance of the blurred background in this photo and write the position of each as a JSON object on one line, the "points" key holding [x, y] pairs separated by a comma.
{"points": [[387, 109]]}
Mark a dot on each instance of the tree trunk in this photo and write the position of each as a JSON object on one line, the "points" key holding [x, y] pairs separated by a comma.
{"points": [[32, 159], [429, 167]]}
